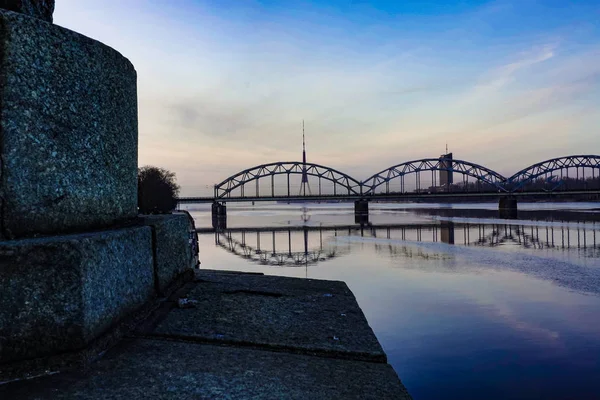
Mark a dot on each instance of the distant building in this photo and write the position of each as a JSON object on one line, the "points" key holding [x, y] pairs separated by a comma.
{"points": [[446, 177]]}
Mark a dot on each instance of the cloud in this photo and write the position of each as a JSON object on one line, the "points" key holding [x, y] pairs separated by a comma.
{"points": [[506, 74], [221, 90]]}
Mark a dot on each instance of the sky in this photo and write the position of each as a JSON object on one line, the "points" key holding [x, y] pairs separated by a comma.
{"points": [[224, 85]]}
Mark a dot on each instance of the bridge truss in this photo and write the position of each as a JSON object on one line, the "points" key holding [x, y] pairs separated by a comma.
{"points": [[346, 183], [546, 169], [491, 179], [555, 174]]}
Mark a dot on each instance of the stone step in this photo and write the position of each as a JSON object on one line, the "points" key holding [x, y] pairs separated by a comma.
{"points": [[299, 315]]}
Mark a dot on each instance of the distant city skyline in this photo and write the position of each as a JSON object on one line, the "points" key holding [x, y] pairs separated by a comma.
{"points": [[224, 86]]}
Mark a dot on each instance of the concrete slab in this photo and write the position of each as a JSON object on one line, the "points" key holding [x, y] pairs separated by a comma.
{"points": [[298, 315], [153, 369]]}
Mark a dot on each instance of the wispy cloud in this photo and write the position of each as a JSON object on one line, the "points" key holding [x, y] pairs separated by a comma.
{"points": [[506, 74], [220, 90]]}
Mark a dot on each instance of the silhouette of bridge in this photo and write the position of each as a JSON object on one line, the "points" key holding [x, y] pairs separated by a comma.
{"points": [[577, 175], [477, 179], [300, 246]]}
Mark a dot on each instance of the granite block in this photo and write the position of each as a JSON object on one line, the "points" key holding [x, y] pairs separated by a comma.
{"points": [[59, 293], [155, 369], [173, 247], [68, 131], [42, 9]]}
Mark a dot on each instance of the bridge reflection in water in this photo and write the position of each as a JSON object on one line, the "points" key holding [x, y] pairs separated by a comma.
{"points": [[310, 245], [280, 248]]}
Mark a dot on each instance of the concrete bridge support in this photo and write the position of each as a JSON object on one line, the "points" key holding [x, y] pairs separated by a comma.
{"points": [[219, 215], [361, 212], [507, 207]]}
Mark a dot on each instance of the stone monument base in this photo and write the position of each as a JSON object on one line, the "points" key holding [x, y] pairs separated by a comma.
{"points": [[173, 251], [69, 131], [60, 293], [75, 260]]}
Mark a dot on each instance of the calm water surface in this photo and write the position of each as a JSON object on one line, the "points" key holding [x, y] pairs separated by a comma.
{"points": [[465, 307]]}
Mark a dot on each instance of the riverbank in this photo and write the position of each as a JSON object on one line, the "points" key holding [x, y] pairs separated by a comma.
{"points": [[238, 335]]}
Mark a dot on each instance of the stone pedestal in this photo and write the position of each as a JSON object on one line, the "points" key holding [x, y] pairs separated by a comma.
{"points": [[42, 9], [59, 293], [68, 172], [173, 239], [68, 117]]}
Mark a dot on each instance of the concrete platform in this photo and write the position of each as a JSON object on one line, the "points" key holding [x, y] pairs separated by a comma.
{"points": [[156, 369], [300, 315], [282, 338]]}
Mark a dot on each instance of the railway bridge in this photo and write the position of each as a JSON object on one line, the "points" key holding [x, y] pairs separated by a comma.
{"points": [[438, 179]]}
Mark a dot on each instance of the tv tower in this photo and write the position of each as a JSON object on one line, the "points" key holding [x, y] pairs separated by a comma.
{"points": [[304, 183]]}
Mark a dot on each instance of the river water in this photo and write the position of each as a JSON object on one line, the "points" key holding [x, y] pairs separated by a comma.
{"points": [[466, 305]]}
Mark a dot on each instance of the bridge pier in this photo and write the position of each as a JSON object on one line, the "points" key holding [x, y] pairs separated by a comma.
{"points": [[507, 207], [219, 215], [361, 212]]}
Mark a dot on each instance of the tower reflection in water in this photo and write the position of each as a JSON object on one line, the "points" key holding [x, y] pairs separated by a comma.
{"points": [[304, 246]]}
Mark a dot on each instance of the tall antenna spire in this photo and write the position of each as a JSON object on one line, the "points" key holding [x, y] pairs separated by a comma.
{"points": [[303, 151], [303, 143], [446, 147], [304, 174]]}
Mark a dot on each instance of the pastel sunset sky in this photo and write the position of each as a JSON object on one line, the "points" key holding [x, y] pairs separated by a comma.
{"points": [[224, 85]]}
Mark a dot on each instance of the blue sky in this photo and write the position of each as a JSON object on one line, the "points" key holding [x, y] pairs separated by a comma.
{"points": [[224, 85]]}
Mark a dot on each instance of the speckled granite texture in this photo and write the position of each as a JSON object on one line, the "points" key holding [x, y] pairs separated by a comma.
{"points": [[60, 292], [172, 247], [42, 9], [154, 369], [68, 131]]}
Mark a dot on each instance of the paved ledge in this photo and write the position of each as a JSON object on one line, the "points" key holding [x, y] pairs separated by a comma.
{"points": [[245, 336], [300, 315], [153, 369]]}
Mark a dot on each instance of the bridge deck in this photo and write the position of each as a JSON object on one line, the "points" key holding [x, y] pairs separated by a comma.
{"points": [[388, 197]]}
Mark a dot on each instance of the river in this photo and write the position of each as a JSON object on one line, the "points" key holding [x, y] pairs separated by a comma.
{"points": [[466, 305]]}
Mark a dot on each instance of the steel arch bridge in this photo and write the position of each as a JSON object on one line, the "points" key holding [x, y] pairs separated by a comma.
{"points": [[239, 180], [466, 168], [539, 179], [541, 169]]}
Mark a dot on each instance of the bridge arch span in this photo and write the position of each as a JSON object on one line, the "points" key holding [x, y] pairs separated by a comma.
{"points": [[531, 173], [224, 189], [466, 168]]}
